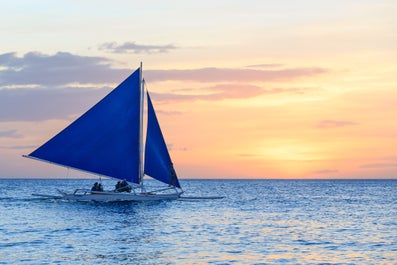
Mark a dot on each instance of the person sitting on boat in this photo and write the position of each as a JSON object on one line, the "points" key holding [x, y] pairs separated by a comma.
{"points": [[95, 187], [124, 183], [123, 186]]}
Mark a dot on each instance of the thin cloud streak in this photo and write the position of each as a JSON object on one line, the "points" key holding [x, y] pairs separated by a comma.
{"points": [[56, 70], [10, 134], [379, 165], [326, 124], [269, 65], [326, 171], [45, 104], [224, 92], [232, 75], [19, 147], [132, 47], [219, 92]]}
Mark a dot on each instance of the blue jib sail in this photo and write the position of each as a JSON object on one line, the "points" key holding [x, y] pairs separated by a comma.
{"points": [[104, 140], [158, 162]]}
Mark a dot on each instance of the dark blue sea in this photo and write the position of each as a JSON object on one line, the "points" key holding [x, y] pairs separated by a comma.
{"points": [[258, 222]]}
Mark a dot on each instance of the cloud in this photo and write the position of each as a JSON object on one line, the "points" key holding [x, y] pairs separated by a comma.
{"points": [[43, 104], [22, 104], [269, 65], [326, 171], [132, 47], [219, 92], [18, 147], [171, 147], [39, 86], [168, 113], [224, 91], [35, 104], [326, 124], [59, 69], [10, 134], [249, 155], [232, 74], [379, 165], [292, 90], [64, 68]]}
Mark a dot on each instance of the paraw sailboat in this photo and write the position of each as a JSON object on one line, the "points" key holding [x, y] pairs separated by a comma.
{"points": [[107, 141]]}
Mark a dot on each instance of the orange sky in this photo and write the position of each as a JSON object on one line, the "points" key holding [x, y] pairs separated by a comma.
{"points": [[248, 89]]}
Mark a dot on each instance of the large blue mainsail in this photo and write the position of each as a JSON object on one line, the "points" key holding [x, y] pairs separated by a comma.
{"points": [[158, 162], [104, 140]]}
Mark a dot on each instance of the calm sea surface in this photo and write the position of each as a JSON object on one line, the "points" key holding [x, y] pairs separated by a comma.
{"points": [[258, 222]]}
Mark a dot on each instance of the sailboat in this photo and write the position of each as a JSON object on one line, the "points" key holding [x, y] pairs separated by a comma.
{"points": [[107, 141]]}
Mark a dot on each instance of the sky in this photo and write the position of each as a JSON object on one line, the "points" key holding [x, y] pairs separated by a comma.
{"points": [[243, 88]]}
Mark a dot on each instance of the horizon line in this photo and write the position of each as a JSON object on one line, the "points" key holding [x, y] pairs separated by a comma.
{"points": [[198, 179]]}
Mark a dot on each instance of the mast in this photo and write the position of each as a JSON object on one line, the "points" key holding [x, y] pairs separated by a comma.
{"points": [[142, 94]]}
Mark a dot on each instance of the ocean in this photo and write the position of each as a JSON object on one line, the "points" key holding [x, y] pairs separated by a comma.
{"points": [[258, 222]]}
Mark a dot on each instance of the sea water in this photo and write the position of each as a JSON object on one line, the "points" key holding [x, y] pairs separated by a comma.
{"points": [[258, 222]]}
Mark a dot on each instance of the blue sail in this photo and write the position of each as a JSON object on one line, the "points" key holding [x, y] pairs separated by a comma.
{"points": [[158, 162], [104, 140]]}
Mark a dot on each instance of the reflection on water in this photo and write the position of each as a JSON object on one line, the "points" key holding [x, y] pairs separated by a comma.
{"points": [[268, 222]]}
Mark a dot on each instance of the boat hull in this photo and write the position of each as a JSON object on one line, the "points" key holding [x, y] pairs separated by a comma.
{"points": [[120, 196]]}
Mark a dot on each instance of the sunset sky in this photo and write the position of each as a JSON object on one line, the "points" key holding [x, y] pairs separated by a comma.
{"points": [[243, 88]]}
